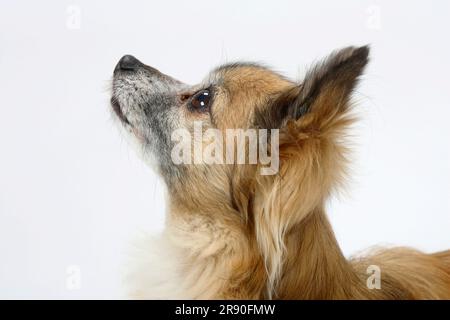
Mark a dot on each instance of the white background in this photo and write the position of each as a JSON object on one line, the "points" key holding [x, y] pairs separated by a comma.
{"points": [[73, 194]]}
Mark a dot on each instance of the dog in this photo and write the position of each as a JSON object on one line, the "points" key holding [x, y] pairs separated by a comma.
{"points": [[233, 232]]}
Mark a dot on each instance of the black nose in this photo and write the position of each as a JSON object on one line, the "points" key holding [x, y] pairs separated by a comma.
{"points": [[129, 63]]}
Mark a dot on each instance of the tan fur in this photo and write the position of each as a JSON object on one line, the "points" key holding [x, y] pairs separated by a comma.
{"points": [[242, 235]]}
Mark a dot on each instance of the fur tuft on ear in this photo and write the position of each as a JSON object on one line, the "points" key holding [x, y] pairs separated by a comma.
{"points": [[325, 91], [333, 79], [311, 118]]}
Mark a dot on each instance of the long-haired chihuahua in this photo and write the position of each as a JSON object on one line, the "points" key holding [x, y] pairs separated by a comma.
{"points": [[249, 159]]}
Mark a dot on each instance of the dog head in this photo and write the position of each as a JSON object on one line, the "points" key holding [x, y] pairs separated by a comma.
{"points": [[310, 119], [152, 107]]}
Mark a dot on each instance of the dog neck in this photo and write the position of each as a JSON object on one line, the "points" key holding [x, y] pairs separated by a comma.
{"points": [[314, 266], [221, 259]]}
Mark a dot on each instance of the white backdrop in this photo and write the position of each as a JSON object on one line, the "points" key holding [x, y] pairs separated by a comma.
{"points": [[73, 195]]}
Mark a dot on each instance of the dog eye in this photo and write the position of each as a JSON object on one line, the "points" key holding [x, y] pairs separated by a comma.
{"points": [[201, 100]]}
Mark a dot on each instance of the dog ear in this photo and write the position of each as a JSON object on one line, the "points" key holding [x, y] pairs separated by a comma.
{"points": [[324, 93]]}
